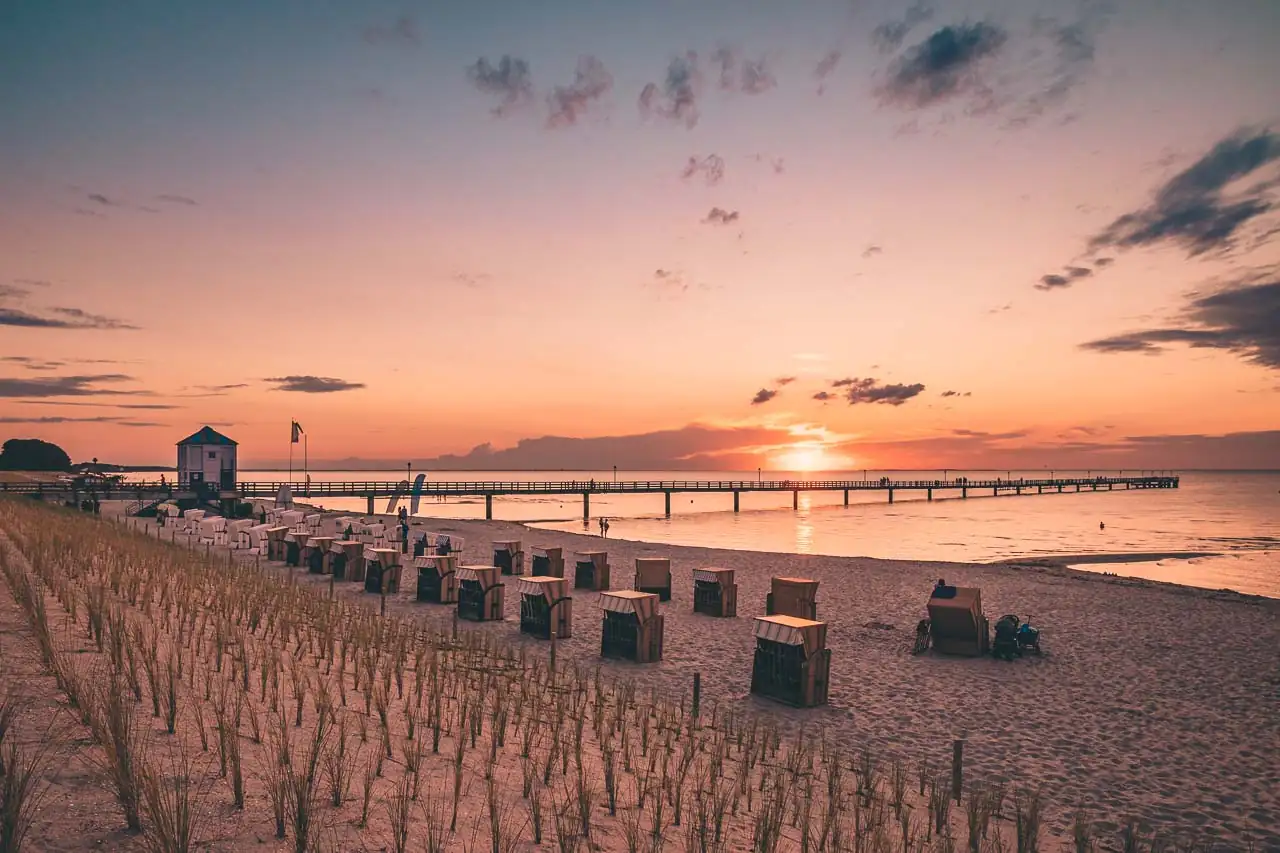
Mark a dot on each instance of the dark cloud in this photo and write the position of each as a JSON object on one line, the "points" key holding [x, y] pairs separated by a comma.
{"points": [[509, 79], [67, 386], [991, 436], [13, 291], [764, 395], [1000, 309], [81, 211], [313, 384], [403, 33], [99, 198], [871, 391], [1053, 282], [872, 251], [219, 390], [31, 282], [943, 66], [1101, 263], [720, 216], [784, 380], [677, 97], [957, 394], [1192, 209], [1243, 319], [824, 396], [69, 318], [591, 82], [889, 35], [711, 168], [177, 199]]}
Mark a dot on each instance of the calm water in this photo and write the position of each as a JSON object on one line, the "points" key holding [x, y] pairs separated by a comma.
{"points": [[1233, 515]]}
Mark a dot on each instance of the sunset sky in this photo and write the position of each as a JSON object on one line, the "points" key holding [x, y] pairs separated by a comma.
{"points": [[723, 233]]}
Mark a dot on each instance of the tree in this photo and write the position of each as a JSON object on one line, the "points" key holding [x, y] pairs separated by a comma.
{"points": [[32, 454]]}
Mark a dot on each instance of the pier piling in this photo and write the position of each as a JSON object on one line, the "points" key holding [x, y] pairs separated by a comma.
{"points": [[667, 500], [736, 494], [488, 507], [586, 506]]}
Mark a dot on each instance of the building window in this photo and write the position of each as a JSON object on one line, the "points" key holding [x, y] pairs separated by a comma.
{"points": [[213, 454]]}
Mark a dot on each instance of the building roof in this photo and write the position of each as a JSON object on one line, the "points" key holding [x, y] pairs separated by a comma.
{"points": [[206, 435]]}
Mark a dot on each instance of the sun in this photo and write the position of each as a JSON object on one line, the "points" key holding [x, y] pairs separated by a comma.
{"points": [[803, 457]]}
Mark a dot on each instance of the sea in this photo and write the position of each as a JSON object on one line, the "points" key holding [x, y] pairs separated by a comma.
{"points": [[1218, 530]]}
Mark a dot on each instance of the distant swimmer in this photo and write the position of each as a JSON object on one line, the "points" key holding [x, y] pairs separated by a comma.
{"points": [[1102, 525]]}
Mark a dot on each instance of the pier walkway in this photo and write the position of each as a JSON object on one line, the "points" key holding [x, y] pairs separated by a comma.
{"points": [[371, 490]]}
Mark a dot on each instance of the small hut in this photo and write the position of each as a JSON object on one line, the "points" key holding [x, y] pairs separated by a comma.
{"points": [[437, 578], [956, 623], [548, 562], [480, 593], [277, 548], [632, 627], [207, 461], [714, 592], [345, 557], [508, 555], [317, 550], [796, 597], [545, 606], [792, 662], [591, 570], [653, 574]]}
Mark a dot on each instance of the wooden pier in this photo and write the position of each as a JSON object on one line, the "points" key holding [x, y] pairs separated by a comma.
{"points": [[960, 486]]}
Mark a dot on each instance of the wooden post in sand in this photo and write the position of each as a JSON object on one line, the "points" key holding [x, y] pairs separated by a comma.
{"points": [[553, 649], [697, 692], [331, 584], [957, 768]]}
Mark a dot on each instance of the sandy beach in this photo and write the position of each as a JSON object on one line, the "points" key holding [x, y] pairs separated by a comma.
{"points": [[1153, 701]]}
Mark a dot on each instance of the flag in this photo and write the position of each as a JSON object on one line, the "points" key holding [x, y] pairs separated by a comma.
{"points": [[297, 431]]}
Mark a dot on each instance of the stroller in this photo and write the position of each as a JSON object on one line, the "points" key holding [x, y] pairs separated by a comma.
{"points": [[1014, 638]]}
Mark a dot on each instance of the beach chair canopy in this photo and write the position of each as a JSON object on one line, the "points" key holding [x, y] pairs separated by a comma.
{"points": [[193, 514], [653, 570], [547, 587], [290, 517], [720, 576], [320, 542], [351, 549], [483, 575], [439, 562], [546, 551], [643, 604], [510, 545], [792, 632]]}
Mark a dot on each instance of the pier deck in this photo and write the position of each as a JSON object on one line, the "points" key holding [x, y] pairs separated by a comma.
{"points": [[371, 490]]}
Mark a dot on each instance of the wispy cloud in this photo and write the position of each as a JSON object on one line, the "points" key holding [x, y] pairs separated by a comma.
{"points": [[1192, 210], [889, 35], [33, 363], [67, 318], [957, 394], [509, 79], [112, 405], [871, 251], [1055, 281], [67, 386], [826, 65], [711, 168], [676, 98], [57, 419], [177, 199], [99, 198], [720, 216], [1243, 318], [313, 384], [944, 66], [402, 33], [784, 380], [567, 104], [748, 76], [764, 395]]}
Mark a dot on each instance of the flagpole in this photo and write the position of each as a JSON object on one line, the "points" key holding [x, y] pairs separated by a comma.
{"points": [[290, 451], [306, 474]]}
